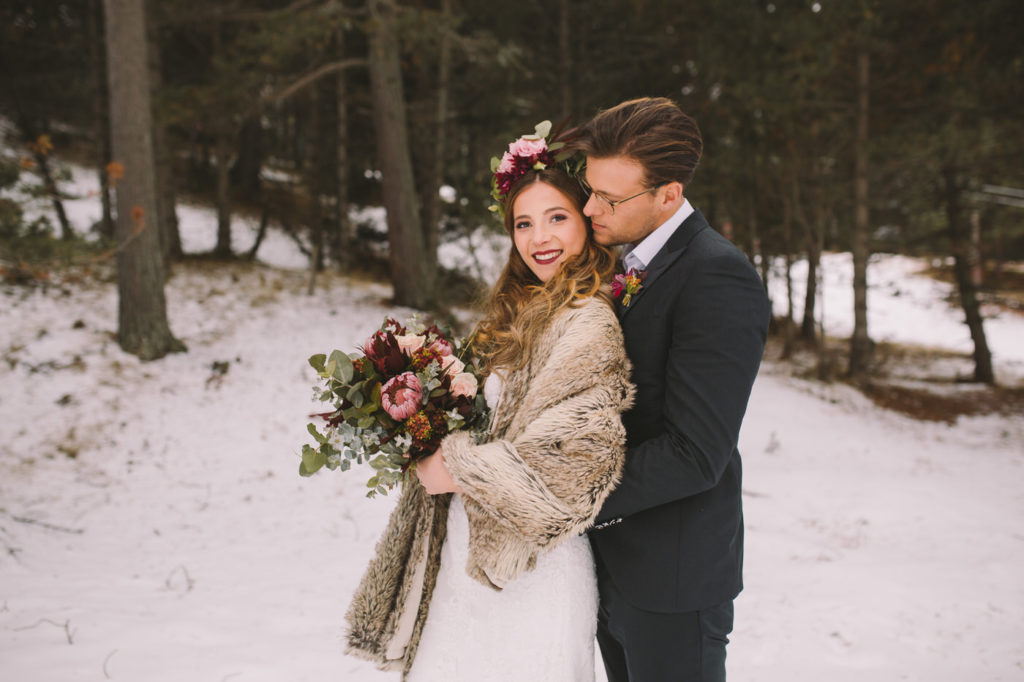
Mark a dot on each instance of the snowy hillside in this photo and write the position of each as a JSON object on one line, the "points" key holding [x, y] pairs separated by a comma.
{"points": [[153, 525]]}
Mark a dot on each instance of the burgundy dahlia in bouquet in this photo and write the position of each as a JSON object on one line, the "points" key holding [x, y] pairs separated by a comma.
{"points": [[408, 387]]}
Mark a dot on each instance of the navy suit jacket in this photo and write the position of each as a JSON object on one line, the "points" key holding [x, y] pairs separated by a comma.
{"points": [[670, 536]]}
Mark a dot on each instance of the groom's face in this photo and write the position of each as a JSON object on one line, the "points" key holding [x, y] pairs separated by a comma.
{"points": [[611, 180]]}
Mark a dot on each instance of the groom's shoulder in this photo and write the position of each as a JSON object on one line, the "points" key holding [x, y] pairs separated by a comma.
{"points": [[710, 243]]}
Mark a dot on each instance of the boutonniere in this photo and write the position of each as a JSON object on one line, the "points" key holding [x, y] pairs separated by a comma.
{"points": [[628, 284]]}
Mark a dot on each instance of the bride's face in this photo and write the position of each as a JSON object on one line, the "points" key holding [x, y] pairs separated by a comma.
{"points": [[547, 229]]}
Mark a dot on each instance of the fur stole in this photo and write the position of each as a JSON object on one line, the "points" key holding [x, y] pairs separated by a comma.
{"points": [[555, 451]]}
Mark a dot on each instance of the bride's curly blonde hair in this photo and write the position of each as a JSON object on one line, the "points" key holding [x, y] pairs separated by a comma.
{"points": [[520, 305]]}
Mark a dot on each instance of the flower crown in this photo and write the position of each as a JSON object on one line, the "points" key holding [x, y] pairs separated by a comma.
{"points": [[529, 152]]}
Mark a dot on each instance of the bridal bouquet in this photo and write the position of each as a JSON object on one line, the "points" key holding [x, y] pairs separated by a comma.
{"points": [[393, 402]]}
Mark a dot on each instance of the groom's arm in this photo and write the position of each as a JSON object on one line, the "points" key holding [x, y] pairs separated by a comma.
{"points": [[720, 322]]}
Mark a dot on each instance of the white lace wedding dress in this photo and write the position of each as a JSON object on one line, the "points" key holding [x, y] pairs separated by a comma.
{"points": [[539, 628]]}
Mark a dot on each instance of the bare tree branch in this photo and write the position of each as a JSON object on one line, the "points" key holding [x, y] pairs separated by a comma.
{"points": [[222, 16], [311, 77]]}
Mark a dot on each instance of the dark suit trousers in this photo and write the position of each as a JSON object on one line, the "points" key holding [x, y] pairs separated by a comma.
{"points": [[645, 646]]}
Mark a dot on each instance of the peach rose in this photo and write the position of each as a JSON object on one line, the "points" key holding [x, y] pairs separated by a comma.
{"points": [[409, 343], [464, 384], [452, 365]]}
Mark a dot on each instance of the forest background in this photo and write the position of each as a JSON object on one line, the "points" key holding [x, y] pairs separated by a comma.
{"points": [[859, 126], [153, 524]]}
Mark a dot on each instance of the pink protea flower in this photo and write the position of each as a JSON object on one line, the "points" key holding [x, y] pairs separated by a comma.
{"points": [[401, 395]]}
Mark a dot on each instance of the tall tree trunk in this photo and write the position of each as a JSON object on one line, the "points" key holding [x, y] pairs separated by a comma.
{"points": [[787, 235], [101, 115], [441, 143], [807, 325], [412, 275], [223, 247], [565, 41], [314, 182], [166, 200], [860, 342], [142, 311], [959, 238], [245, 173], [344, 239], [810, 233], [977, 264]]}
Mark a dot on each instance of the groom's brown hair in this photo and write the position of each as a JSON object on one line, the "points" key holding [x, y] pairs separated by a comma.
{"points": [[653, 131]]}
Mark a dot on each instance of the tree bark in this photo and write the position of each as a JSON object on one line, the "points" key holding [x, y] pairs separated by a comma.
{"points": [[101, 115], [412, 276], [432, 226], [787, 323], [166, 199], [811, 233], [314, 182], [223, 247], [807, 324], [142, 311], [860, 342], [565, 41], [344, 239], [959, 238], [245, 174]]}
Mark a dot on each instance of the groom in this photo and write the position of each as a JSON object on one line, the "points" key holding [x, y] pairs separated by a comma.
{"points": [[669, 540]]}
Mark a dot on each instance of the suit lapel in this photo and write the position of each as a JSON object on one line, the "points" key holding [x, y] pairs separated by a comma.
{"points": [[674, 248]]}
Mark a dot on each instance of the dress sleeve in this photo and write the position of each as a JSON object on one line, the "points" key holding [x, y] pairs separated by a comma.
{"points": [[549, 479]]}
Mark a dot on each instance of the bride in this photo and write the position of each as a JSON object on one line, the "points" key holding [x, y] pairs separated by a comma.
{"points": [[482, 572]]}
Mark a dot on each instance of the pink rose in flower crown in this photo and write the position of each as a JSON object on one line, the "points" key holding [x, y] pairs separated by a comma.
{"points": [[464, 384], [409, 343], [452, 365], [528, 147], [508, 163], [401, 395]]}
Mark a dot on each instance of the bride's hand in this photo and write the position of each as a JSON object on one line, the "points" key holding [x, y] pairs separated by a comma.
{"points": [[434, 475]]}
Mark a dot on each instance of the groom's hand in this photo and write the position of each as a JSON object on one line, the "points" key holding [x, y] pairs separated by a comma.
{"points": [[434, 475]]}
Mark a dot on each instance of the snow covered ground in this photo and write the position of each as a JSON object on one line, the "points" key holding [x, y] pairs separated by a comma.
{"points": [[153, 526]]}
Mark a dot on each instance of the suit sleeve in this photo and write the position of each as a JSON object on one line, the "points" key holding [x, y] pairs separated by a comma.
{"points": [[719, 325], [550, 480]]}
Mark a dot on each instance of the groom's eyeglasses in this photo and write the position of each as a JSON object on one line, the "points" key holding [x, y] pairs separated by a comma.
{"points": [[613, 203]]}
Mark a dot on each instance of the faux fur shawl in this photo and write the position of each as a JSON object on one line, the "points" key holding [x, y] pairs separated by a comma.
{"points": [[555, 451]]}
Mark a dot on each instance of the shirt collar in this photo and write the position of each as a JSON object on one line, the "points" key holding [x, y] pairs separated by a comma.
{"points": [[639, 256]]}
